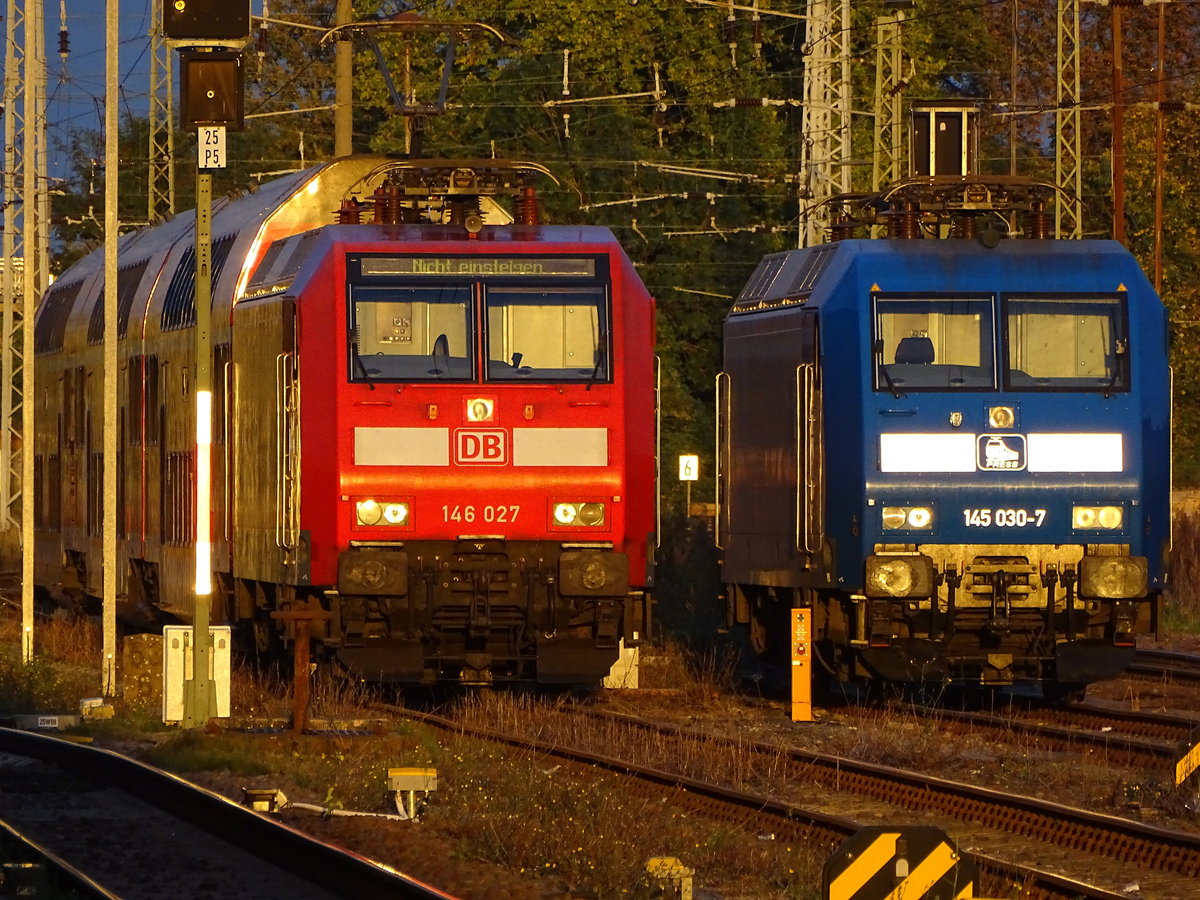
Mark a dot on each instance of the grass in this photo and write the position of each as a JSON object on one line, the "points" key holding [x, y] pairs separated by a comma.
{"points": [[64, 668]]}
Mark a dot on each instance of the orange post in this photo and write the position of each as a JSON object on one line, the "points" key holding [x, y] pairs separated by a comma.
{"points": [[802, 665]]}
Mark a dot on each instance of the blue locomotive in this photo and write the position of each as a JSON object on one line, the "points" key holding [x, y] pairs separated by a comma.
{"points": [[951, 443]]}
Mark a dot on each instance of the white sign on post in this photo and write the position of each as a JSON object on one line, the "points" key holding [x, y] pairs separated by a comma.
{"points": [[689, 468], [211, 146]]}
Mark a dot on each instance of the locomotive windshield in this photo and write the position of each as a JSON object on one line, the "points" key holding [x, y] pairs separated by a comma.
{"points": [[933, 344], [556, 334], [1050, 342], [463, 318], [412, 334], [1066, 343]]}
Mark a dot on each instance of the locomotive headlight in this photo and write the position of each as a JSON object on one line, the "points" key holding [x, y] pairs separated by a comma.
{"points": [[396, 513], [919, 518], [1098, 517], [368, 512], [585, 515], [372, 512], [1001, 417], [591, 514]]}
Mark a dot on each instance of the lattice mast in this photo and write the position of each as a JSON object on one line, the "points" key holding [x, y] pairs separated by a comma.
{"points": [[23, 244], [1068, 219], [160, 182], [887, 164], [11, 287], [825, 119], [23, 275]]}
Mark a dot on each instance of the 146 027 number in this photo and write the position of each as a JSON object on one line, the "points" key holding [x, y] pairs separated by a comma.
{"points": [[1003, 518], [500, 515]]}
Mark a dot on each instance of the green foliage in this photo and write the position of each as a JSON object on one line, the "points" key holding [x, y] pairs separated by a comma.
{"points": [[698, 190], [193, 751], [34, 687]]}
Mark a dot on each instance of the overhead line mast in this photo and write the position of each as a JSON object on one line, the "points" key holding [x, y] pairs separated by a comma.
{"points": [[825, 116], [160, 184], [25, 265], [1068, 218], [888, 160]]}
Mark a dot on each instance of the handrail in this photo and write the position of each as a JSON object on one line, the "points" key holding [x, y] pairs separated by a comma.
{"points": [[809, 531], [722, 459]]}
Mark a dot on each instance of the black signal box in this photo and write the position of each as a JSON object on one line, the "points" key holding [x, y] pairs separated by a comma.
{"points": [[206, 20], [212, 89]]}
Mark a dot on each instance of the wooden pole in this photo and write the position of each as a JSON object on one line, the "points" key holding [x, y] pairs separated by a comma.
{"points": [[1118, 132]]}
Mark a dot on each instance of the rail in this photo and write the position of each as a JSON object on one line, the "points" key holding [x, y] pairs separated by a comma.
{"points": [[906, 789], [320, 865]]}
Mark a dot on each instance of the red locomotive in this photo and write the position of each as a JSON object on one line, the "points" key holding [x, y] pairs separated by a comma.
{"points": [[434, 425]]}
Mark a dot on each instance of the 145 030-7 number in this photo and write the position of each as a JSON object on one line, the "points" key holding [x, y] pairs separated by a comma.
{"points": [[1003, 518]]}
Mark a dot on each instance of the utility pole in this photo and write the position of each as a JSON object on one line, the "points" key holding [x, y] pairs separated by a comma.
{"points": [[343, 83], [1118, 131], [1160, 140], [1012, 108], [112, 37]]}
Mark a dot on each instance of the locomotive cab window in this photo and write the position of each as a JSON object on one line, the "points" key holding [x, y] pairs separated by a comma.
{"points": [[411, 334], [547, 334], [1066, 343], [933, 344]]}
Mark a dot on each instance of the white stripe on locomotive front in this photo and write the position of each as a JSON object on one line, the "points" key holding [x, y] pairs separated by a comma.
{"points": [[1045, 452], [533, 447]]}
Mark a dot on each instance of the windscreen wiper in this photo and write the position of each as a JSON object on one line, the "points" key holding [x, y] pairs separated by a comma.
{"points": [[887, 376], [358, 363], [1121, 352], [601, 356]]}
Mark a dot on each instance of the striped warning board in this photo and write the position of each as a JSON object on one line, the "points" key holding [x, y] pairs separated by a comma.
{"points": [[1189, 756], [911, 862]]}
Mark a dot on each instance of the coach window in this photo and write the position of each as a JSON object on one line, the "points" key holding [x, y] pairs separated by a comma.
{"points": [[547, 334], [1066, 343], [411, 334], [933, 344]]}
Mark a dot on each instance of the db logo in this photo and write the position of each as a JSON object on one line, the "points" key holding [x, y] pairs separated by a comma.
{"points": [[480, 447]]}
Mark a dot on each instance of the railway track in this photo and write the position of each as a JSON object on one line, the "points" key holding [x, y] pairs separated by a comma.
{"points": [[1125, 738], [28, 868], [1165, 665], [108, 826], [1107, 848]]}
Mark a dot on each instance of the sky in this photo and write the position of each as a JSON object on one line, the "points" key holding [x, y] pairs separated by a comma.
{"points": [[75, 87]]}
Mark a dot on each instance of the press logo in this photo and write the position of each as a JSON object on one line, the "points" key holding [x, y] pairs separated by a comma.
{"points": [[480, 447], [1001, 452]]}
